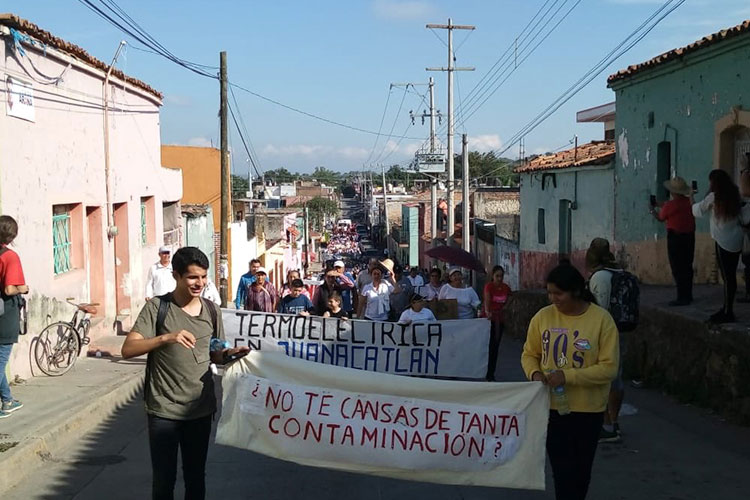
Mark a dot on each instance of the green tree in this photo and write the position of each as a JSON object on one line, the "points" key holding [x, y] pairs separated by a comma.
{"points": [[319, 209], [239, 186], [487, 168]]}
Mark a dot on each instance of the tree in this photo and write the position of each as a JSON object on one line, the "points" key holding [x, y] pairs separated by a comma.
{"points": [[239, 186], [488, 168], [319, 209]]}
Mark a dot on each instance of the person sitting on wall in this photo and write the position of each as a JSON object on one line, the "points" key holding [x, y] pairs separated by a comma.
{"points": [[677, 214]]}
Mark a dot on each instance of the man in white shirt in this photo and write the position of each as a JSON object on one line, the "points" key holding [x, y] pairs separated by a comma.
{"points": [[416, 280], [160, 279]]}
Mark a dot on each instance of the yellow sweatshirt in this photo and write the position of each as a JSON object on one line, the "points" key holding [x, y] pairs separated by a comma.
{"points": [[585, 348]]}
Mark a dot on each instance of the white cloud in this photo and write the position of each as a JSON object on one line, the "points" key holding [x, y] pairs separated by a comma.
{"points": [[485, 143], [315, 151], [402, 10], [204, 142], [178, 100]]}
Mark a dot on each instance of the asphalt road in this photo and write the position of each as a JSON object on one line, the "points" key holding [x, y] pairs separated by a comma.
{"points": [[670, 452]]}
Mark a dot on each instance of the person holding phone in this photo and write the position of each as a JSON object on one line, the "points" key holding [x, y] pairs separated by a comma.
{"points": [[677, 214]]}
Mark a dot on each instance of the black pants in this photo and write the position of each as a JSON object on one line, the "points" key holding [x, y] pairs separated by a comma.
{"points": [[746, 263], [571, 446], [728, 262], [191, 437], [496, 335], [681, 249]]}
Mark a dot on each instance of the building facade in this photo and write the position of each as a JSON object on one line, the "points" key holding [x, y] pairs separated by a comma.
{"points": [[81, 175]]}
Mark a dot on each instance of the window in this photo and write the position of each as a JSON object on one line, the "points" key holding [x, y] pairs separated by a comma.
{"points": [[144, 232], [540, 227], [663, 169], [62, 241]]}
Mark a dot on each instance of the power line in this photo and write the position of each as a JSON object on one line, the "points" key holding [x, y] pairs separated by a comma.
{"points": [[395, 120], [254, 155], [380, 128], [242, 138]]}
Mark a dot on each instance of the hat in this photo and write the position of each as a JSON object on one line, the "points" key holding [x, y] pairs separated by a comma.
{"points": [[339, 263], [454, 270], [261, 270], [599, 255], [387, 264], [165, 249], [677, 185], [415, 297]]}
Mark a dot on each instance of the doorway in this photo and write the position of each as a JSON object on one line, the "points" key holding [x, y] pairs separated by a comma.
{"points": [[122, 260], [96, 258]]}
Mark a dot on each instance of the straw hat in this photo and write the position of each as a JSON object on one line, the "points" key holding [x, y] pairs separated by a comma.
{"points": [[387, 264], [677, 185]]}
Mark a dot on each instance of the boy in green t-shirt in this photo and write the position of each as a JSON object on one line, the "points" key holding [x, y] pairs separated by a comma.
{"points": [[179, 387]]}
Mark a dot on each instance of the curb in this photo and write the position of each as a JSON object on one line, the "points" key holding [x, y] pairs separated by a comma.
{"points": [[23, 460]]}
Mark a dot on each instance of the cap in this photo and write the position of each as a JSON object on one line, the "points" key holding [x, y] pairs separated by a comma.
{"points": [[165, 249], [339, 263], [261, 270], [454, 270], [415, 297]]}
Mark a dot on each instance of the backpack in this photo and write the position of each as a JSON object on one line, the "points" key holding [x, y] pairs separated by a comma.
{"points": [[164, 302], [624, 300]]}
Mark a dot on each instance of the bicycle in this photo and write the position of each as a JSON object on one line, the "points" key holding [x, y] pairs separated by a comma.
{"points": [[59, 345]]}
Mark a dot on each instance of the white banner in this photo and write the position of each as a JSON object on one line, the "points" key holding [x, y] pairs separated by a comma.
{"points": [[484, 434], [453, 348], [20, 99]]}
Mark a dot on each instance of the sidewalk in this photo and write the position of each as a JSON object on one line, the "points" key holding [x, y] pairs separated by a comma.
{"points": [[60, 411]]}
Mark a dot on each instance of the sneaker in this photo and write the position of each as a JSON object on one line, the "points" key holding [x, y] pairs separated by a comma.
{"points": [[606, 436], [4, 414], [11, 406]]}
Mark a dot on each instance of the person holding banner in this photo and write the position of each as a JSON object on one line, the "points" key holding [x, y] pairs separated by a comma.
{"points": [[417, 312], [572, 344], [467, 298], [260, 296], [374, 301]]}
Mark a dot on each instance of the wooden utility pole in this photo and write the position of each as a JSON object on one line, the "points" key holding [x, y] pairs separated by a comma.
{"points": [[465, 244], [225, 195], [450, 69]]}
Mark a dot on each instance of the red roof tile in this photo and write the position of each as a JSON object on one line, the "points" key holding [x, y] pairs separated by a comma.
{"points": [[593, 153], [47, 38], [740, 29]]}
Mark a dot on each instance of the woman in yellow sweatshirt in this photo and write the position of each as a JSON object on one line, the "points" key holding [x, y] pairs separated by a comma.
{"points": [[572, 344]]}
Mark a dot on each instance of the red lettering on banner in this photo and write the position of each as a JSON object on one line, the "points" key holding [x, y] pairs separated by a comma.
{"points": [[463, 419], [475, 424], [513, 425], [416, 440], [270, 423], [324, 405], [295, 427], [332, 428], [490, 424], [457, 450], [341, 407], [384, 408], [401, 415], [427, 442], [348, 434], [286, 398], [477, 445], [310, 428], [371, 436], [310, 397], [396, 436]]}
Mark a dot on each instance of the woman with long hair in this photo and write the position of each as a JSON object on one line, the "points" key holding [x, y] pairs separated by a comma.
{"points": [[496, 296], [724, 205], [571, 346]]}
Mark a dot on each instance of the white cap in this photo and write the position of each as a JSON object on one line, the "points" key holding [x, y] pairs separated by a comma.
{"points": [[339, 263], [165, 249], [261, 270], [454, 270]]}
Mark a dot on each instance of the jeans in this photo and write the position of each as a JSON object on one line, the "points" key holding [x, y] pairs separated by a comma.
{"points": [[571, 446], [728, 262], [496, 335], [681, 249], [4, 386], [191, 437]]}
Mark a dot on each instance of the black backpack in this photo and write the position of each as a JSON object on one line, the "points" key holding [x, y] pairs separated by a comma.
{"points": [[624, 300]]}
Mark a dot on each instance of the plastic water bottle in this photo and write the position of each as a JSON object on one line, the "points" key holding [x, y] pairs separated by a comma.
{"points": [[560, 398]]}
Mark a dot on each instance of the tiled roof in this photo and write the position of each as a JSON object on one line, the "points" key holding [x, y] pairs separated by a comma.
{"points": [[593, 153], [47, 38], [740, 29]]}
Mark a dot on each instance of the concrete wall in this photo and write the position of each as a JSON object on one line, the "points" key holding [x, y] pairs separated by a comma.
{"points": [[687, 103], [593, 217], [199, 232], [59, 159], [201, 175], [508, 255]]}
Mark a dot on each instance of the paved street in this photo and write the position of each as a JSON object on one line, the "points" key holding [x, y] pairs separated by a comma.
{"points": [[670, 452]]}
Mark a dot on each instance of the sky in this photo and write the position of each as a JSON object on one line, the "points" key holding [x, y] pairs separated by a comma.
{"points": [[337, 60]]}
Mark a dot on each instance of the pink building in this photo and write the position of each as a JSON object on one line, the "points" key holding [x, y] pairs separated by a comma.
{"points": [[83, 180]]}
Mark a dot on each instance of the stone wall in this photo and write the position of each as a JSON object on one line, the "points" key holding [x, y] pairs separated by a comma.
{"points": [[708, 367]]}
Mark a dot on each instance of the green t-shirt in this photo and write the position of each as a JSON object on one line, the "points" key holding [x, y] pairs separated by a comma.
{"points": [[180, 385]]}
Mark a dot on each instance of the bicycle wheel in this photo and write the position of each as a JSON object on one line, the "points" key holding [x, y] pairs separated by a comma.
{"points": [[57, 349]]}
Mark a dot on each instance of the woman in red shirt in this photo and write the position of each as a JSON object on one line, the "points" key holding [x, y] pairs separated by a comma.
{"points": [[496, 295], [678, 215]]}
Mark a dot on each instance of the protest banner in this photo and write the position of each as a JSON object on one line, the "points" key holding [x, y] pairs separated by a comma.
{"points": [[456, 348], [419, 429]]}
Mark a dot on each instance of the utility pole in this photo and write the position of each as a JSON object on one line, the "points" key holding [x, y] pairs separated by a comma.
{"points": [[465, 192], [305, 244], [385, 208], [223, 261], [450, 69]]}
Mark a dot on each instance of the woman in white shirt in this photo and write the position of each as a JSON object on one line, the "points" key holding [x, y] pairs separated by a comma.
{"points": [[432, 289], [374, 300], [467, 298], [417, 312], [724, 205]]}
